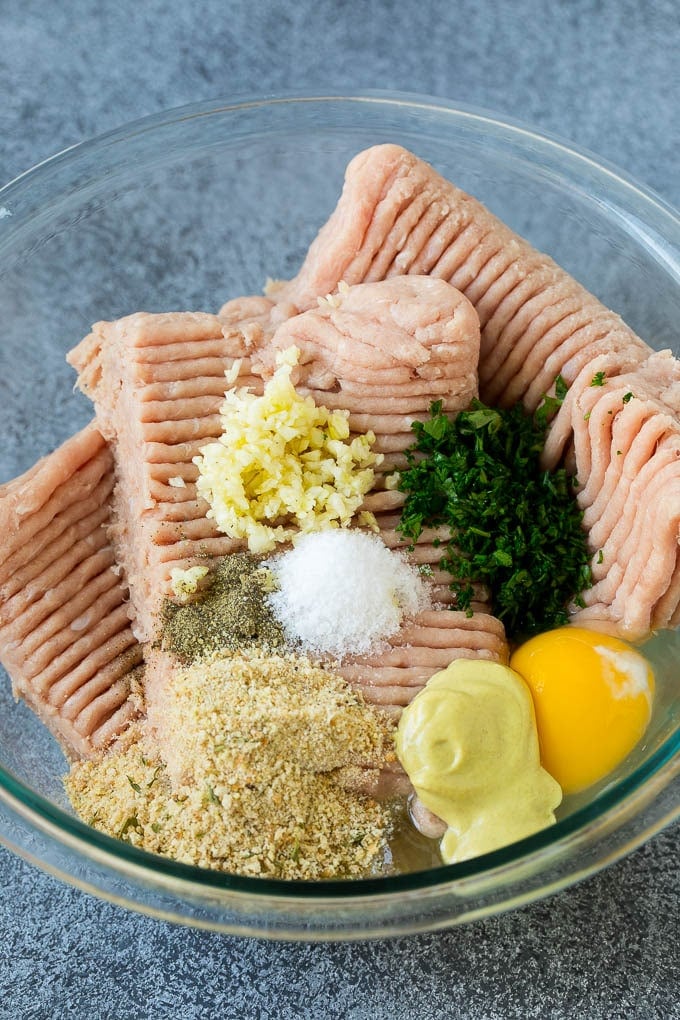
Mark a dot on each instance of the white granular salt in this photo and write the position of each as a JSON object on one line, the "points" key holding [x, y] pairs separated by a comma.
{"points": [[342, 592]]}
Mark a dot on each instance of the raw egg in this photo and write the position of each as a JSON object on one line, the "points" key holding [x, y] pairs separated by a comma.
{"points": [[593, 700]]}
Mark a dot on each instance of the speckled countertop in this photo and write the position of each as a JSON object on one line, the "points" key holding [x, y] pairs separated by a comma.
{"points": [[601, 73]]}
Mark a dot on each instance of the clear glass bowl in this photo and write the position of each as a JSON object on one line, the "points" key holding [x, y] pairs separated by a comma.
{"points": [[186, 209]]}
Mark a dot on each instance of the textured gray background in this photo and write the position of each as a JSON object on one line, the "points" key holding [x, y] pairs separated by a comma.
{"points": [[601, 73]]}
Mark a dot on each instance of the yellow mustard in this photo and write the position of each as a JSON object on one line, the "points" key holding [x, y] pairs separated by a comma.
{"points": [[469, 745]]}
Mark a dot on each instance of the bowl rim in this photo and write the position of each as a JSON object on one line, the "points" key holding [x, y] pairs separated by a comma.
{"points": [[662, 765], [240, 101]]}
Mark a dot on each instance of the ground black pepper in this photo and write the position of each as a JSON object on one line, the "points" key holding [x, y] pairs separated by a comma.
{"points": [[233, 613]]}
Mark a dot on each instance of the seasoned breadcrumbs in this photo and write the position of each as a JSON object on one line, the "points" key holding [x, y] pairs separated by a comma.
{"points": [[254, 785]]}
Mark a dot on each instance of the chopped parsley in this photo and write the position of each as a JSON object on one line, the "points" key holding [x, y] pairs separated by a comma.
{"points": [[210, 796], [628, 396], [550, 405], [598, 379], [132, 822], [514, 527]]}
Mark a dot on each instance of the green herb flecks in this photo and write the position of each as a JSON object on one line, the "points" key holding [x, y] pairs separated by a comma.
{"points": [[550, 405], [132, 822], [598, 379], [210, 796], [514, 527]]}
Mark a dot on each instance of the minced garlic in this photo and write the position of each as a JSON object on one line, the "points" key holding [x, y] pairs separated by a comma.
{"points": [[283, 464], [255, 784], [184, 583]]}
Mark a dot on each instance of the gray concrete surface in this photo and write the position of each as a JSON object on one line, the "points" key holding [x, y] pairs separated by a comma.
{"points": [[601, 73]]}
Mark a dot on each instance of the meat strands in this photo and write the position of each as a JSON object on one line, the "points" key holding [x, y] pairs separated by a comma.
{"points": [[157, 382], [398, 216], [391, 678], [383, 351], [65, 634], [621, 430]]}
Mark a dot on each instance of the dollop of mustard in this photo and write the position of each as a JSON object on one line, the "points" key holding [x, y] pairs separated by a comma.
{"points": [[469, 745]]}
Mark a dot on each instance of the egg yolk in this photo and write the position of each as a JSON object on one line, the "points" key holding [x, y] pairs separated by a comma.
{"points": [[593, 701]]}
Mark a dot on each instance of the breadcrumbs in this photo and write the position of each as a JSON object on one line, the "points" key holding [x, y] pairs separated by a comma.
{"points": [[254, 785]]}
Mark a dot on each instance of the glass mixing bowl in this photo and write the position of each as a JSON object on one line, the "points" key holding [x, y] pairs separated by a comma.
{"points": [[186, 209]]}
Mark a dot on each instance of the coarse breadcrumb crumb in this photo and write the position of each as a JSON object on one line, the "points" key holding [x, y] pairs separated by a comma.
{"points": [[255, 785]]}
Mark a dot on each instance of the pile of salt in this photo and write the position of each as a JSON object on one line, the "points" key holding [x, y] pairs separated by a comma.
{"points": [[341, 592]]}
